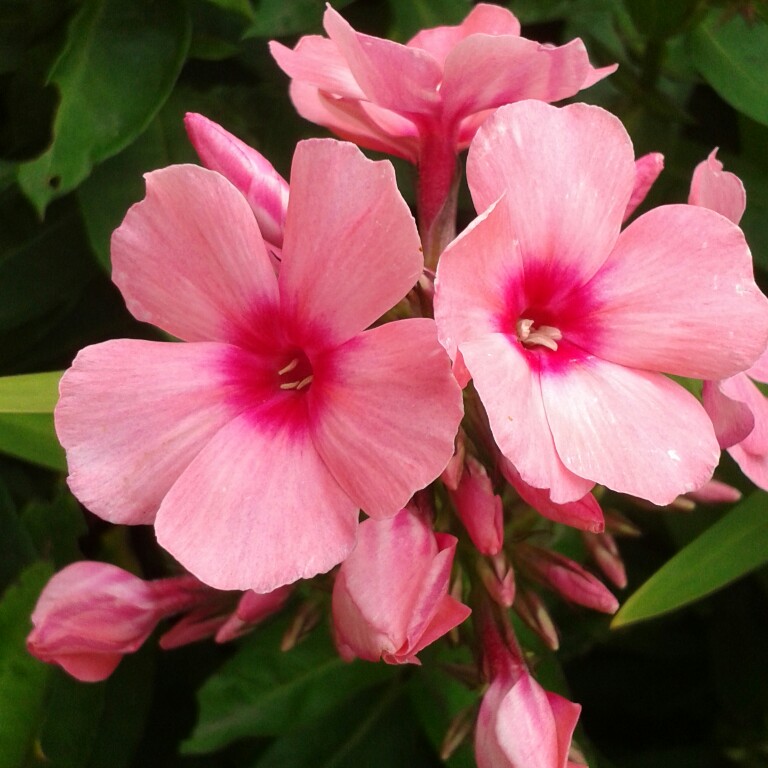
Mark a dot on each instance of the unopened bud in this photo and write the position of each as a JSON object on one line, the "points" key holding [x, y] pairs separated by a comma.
{"points": [[498, 578], [460, 728], [604, 551], [530, 608], [307, 617]]}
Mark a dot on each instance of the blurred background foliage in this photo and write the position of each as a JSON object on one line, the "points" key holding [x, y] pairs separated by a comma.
{"points": [[92, 95]]}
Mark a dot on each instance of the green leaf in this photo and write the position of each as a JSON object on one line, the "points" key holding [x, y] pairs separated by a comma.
{"points": [[659, 19], [263, 691], [22, 677], [241, 7], [56, 528], [410, 16], [29, 393], [31, 436], [735, 545], [277, 18], [16, 547], [120, 63], [732, 57]]}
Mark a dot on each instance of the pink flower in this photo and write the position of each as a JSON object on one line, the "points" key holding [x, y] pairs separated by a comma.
{"points": [[520, 725], [423, 101], [568, 325], [738, 409], [91, 614], [252, 447], [390, 599]]}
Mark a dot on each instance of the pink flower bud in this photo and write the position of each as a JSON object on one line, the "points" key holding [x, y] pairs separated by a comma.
{"points": [[647, 170], [498, 578], [263, 187], [603, 550], [391, 598], [479, 508], [89, 615], [252, 609], [567, 578], [531, 609], [715, 492]]}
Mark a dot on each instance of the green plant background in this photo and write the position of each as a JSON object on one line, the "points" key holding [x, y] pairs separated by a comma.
{"points": [[92, 95]]}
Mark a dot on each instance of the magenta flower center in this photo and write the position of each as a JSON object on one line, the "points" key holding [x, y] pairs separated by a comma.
{"points": [[530, 335], [296, 373]]}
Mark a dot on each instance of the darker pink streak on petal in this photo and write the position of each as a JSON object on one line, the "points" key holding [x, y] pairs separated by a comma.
{"points": [[647, 170], [511, 394], [719, 190], [398, 77], [731, 416], [190, 259], [584, 514], [351, 248], [483, 18], [132, 415], [485, 71], [635, 432], [257, 509], [567, 213], [386, 415], [675, 273]]}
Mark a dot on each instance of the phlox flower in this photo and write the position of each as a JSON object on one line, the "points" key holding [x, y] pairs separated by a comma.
{"points": [[252, 447], [390, 597], [567, 325], [424, 101], [738, 409]]}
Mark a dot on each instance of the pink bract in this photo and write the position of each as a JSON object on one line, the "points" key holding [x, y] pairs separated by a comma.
{"points": [[252, 447], [390, 598], [568, 325]]}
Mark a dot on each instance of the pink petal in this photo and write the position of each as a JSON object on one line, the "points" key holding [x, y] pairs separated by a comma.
{"points": [[257, 509], [753, 465], [387, 414], [351, 248], [398, 77], [741, 389], [678, 295], [362, 123], [719, 190], [635, 432], [566, 207], [648, 167], [731, 416], [190, 259], [479, 508], [584, 514], [483, 18], [759, 371], [132, 415], [484, 72], [264, 188], [511, 394], [566, 715], [318, 61]]}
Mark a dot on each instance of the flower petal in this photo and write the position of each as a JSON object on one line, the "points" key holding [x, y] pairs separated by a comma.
{"points": [[132, 415], [635, 432], [351, 249], [719, 190], [566, 207], [511, 394], [648, 167], [731, 416], [387, 413], [398, 77], [190, 259], [678, 295], [257, 509]]}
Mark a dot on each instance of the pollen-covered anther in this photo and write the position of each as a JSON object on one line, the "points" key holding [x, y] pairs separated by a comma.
{"points": [[543, 336], [288, 368]]}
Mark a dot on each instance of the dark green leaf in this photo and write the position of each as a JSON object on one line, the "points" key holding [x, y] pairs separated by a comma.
{"points": [[55, 528], [120, 63], [22, 678], [16, 547], [276, 18], [29, 393], [263, 691], [660, 18], [732, 56], [31, 436], [735, 545], [241, 7]]}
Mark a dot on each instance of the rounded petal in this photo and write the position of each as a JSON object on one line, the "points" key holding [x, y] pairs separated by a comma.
{"points": [[351, 249], [648, 167], [511, 394], [719, 190], [731, 416], [387, 414], [484, 72], [741, 390], [189, 257], [678, 295], [257, 509], [132, 415], [635, 432], [398, 77], [566, 175]]}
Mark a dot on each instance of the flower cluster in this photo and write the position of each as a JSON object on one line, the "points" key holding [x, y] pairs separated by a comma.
{"points": [[324, 340]]}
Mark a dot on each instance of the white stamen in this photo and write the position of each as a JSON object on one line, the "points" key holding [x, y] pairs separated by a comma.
{"points": [[543, 336]]}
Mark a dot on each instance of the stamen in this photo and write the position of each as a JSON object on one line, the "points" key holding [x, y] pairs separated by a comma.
{"points": [[290, 385], [543, 336], [288, 368], [306, 381]]}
